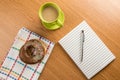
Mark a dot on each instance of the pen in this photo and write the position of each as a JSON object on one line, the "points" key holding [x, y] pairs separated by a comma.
{"points": [[82, 42]]}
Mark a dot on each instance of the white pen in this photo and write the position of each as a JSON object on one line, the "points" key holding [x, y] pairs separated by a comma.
{"points": [[82, 42]]}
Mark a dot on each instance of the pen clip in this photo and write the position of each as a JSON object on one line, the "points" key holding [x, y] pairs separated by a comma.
{"points": [[83, 35]]}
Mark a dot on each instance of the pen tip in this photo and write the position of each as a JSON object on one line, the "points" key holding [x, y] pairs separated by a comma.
{"points": [[82, 31]]}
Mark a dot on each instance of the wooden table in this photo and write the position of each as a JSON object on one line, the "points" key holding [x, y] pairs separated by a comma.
{"points": [[102, 15]]}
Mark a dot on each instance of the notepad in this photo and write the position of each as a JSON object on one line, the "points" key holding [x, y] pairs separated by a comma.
{"points": [[96, 55]]}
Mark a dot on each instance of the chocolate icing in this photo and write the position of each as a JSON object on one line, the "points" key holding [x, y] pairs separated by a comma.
{"points": [[32, 51]]}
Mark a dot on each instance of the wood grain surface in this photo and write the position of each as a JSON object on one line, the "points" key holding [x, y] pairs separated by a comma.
{"points": [[102, 15]]}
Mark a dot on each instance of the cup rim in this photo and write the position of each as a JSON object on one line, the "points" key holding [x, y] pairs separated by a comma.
{"points": [[45, 5]]}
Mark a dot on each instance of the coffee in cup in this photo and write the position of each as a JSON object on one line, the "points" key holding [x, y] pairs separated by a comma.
{"points": [[51, 16]]}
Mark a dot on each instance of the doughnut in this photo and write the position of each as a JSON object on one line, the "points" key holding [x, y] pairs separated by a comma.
{"points": [[33, 51]]}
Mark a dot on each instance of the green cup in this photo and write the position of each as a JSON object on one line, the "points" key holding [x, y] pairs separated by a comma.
{"points": [[58, 17]]}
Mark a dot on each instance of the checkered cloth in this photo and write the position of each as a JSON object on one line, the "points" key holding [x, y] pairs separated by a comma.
{"points": [[12, 68]]}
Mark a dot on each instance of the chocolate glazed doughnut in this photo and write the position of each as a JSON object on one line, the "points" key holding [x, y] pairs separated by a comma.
{"points": [[32, 51]]}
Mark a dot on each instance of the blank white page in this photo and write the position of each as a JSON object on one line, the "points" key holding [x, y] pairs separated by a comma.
{"points": [[95, 53]]}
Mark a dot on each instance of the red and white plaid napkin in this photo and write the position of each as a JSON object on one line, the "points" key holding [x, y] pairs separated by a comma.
{"points": [[12, 68]]}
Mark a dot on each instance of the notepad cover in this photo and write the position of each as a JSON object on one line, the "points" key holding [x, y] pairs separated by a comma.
{"points": [[96, 55]]}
